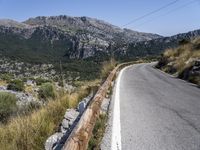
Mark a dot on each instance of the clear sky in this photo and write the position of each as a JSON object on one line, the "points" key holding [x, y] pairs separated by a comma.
{"points": [[180, 17]]}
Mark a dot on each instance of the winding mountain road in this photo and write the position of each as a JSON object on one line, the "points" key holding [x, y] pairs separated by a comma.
{"points": [[154, 111]]}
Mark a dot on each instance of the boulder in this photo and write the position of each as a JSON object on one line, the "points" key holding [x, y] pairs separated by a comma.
{"points": [[52, 141], [71, 115]]}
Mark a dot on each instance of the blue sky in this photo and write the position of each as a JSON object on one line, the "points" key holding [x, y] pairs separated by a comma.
{"points": [[183, 16]]}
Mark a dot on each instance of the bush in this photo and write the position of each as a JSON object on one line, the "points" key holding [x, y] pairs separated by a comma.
{"points": [[46, 91], [30, 132], [107, 66], [40, 81], [7, 105], [6, 76], [16, 85]]}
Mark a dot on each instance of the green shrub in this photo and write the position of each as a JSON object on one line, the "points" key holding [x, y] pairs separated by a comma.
{"points": [[6, 76], [7, 105], [16, 85], [46, 91], [40, 81]]}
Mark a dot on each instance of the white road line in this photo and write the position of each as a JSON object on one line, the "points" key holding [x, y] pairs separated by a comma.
{"points": [[116, 125]]}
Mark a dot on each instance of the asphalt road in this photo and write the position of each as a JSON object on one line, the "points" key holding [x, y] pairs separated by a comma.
{"points": [[157, 111]]}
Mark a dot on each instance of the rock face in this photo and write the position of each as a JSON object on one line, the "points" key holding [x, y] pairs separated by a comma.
{"points": [[63, 37], [96, 27]]}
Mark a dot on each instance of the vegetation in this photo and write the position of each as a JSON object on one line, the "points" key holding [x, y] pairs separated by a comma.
{"points": [[107, 67], [98, 132], [84, 69], [16, 85], [40, 81], [6, 77], [7, 105], [47, 91], [31, 131], [181, 60]]}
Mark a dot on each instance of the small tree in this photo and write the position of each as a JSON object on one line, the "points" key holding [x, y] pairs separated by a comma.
{"points": [[46, 91], [7, 105], [16, 85]]}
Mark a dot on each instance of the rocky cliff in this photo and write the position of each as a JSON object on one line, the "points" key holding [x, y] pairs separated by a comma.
{"points": [[63, 37], [45, 39]]}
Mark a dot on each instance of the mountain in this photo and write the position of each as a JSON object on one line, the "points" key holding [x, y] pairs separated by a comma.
{"points": [[51, 39], [94, 26], [63, 38], [154, 46], [12, 23]]}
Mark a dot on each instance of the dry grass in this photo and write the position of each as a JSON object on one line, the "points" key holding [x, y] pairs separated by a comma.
{"points": [[179, 60], [30, 132], [3, 83], [107, 67], [98, 132], [29, 89]]}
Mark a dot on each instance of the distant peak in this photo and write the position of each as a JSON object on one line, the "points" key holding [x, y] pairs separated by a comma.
{"points": [[12, 23]]}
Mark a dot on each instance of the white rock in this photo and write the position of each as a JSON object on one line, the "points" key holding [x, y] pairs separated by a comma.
{"points": [[65, 123], [52, 140]]}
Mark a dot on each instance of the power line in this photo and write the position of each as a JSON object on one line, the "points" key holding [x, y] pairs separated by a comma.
{"points": [[169, 12], [150, 13]]}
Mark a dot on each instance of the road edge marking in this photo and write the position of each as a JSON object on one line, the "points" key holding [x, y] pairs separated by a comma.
{"points": [[116, 124]]}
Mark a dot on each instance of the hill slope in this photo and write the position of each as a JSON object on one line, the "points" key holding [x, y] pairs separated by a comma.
{"points": [[155, 46], [62, 37], [183, 61], [55, 38]]}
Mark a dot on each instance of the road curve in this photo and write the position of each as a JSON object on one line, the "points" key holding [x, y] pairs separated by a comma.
{"points": [[158, 111]]}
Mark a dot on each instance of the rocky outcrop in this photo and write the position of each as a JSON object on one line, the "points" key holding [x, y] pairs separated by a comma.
{"points": [[64, 37], [86, 24], [70, 37], [23, 99]]}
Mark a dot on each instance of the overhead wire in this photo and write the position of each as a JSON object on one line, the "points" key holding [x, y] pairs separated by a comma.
{"points": [[169, 12], [150, 13]]}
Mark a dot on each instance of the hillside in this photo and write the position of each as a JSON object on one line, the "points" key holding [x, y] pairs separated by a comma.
{"points": [[94, 26], [81, 43], [155, 46], [56, 38], [183, 61], [50, 39]]}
